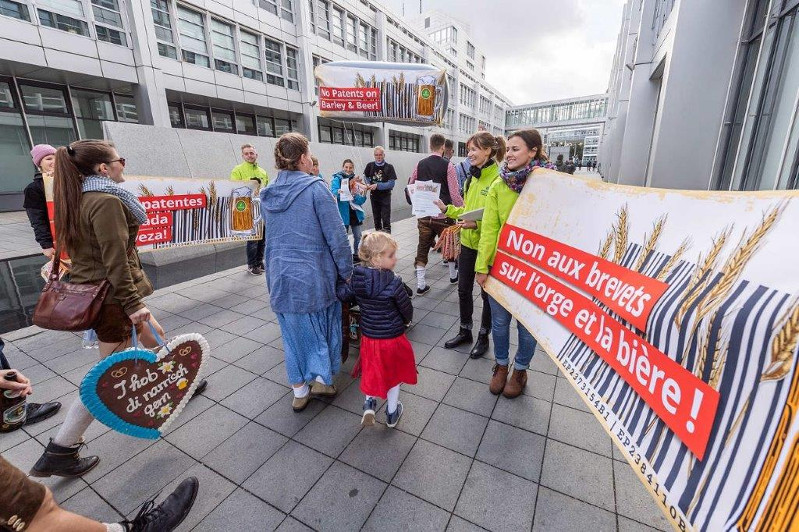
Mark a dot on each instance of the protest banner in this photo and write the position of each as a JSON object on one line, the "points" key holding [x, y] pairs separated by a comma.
{"points": [[374, 91], [675, 316], [183, 211]]}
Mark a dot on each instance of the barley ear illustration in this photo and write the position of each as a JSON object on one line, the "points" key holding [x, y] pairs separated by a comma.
{"points": [[702, 275], [621, 231], [674, 259], [783, 347], [146, 192], [605, 248], [651, 242]]}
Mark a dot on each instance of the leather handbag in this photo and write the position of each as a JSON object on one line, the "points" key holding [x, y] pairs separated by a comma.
{"points": [[67, 306]]}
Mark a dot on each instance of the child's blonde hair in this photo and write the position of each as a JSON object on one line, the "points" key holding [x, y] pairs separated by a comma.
{"points": [[375, 244]]}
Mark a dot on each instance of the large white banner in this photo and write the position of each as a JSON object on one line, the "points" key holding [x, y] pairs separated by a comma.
{"points": [[675, 315]]}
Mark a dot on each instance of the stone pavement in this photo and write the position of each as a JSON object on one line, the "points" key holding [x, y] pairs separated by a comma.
{"points": [[16, 236], [460, 458]]}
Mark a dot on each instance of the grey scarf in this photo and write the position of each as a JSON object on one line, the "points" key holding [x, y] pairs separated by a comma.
{"points": [[96, 183]]}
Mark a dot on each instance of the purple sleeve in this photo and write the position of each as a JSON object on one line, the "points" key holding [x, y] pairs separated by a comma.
{"points": [[454, 189]]}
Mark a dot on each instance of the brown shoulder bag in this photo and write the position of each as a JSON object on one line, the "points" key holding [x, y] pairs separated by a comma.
{"points": [[66, 306]]}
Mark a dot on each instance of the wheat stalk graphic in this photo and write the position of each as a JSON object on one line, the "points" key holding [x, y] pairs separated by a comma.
{"points": [[783, 347], [701, 276], [621, 231], [674, 259], [145, 192], [651, 242], [604, 249]]}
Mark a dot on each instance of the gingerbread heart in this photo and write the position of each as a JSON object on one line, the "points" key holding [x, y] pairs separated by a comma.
{"points": [[140, 393]]}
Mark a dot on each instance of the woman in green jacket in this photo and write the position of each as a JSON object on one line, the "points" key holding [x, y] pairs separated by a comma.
{"points": [[485, 155], [525, 153]]}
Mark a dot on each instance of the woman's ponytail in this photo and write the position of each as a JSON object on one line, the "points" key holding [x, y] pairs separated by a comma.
{"points": [[501, 148]]}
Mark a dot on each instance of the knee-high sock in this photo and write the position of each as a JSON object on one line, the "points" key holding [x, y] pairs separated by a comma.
{"points": [[393, 398], [453, 269], [77, 421], [420, 274]]}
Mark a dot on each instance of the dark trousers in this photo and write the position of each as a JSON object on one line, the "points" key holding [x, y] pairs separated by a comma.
{"points": [[381, 210], [255, 252], [3, 360], [429, 229], [466, 274]]}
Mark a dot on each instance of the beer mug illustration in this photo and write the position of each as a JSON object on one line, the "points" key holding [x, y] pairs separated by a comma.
{"points": [[426, 97], [245, 211]]}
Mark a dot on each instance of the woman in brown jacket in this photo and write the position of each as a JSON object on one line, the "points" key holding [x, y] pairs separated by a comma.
{"points": [[97, 222]]}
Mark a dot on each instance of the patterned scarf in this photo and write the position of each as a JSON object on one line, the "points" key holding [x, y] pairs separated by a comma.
{"points": [[96, 183], [516, 179]]}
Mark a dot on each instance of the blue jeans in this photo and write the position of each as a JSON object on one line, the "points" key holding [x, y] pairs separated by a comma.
{"points": [[255, 252], [500, 331], [357, 231]]}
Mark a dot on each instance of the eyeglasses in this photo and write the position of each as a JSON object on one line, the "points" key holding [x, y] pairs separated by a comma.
{"points": [[121, 161]]}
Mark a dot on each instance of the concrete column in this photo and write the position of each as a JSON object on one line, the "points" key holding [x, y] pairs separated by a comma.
{"points": [[309, 112], [149, 94]]}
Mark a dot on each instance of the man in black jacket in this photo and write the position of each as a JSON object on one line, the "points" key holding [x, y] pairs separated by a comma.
{"points": [[380, 176]]}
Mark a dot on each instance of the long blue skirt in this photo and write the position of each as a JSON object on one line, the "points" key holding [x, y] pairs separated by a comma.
{"points": [[312, 344]]}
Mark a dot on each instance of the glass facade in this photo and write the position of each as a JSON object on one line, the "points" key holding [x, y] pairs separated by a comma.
{"points": [[191, 116], [350, 135], [404, 142], [548, 113]]}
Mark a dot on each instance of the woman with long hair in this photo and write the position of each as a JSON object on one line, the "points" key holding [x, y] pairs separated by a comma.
{"points": [[525, 153], [307, 257], [97, 222], [485, 155]]}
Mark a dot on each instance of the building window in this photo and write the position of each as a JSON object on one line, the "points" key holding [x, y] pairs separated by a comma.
{"points": [[126, 108], [197, 118], [364, 41], [403, 142], [224, 47], [245, 125], [90, 108], [352, 34], [176, 115], [48, 114], [282, 7], [112, 36], [470, 50], [163, 28], [9, 8], [274, 63], [337, 23], [265, 126], [222, 121], [427, 22], [191, 26], [251, 56], [13, 143], [323, 19], [282, 126], [63, 23], [325, 134], [292, 70]]}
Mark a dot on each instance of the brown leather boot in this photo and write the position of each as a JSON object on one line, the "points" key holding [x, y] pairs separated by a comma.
{"points": [[499, 379], [517, 382]]}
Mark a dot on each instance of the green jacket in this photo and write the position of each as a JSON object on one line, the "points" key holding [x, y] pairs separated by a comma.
{"points": [[475, 199], [246, 171], [498, 205]]}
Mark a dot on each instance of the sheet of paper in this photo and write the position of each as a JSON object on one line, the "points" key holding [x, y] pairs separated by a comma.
{"points": [[475, 215], [344, 193], [423, 198]]}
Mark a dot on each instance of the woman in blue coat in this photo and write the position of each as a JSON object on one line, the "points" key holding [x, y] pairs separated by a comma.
{"points": [[307, 256], [351, 211]]}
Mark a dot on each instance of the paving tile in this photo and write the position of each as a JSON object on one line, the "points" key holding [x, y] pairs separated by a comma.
{"points": [[433, 473], [458, 524], [628, 525], [202, 434], [53, 389], [255, 397], [244, 325], [455, 429], [216, 338], [420, 350], [87, 502], [400, 511], [555, 511], [440, 320], [230, 300], [512, 449], [242, 511], [478, 369], [288, 475], [472, 396], [226, 381], [198, 311], [281, 418], [244, 452], [145, 474], [566, 395], [379, 451], [497, 500], [12, 439], [212, 491], [331, 431], [543, 362], [581, 474], [524, 412], [579, 429], [351, 399], [266, 333], [617, 454], [416, 414], [252, 307], [292, 525], [341, 500], [635, 501], [425, 334], [446, 360], [261, 360], [196, 406], [431, 384], [25, 454], [541, 385], [114, 450], [70, 361]]}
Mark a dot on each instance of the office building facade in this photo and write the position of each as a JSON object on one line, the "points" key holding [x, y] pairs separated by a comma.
{"points": [[241, 67], [703, 95], [572, 127]]}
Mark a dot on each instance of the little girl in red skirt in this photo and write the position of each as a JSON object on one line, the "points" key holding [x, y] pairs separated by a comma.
{"points": [[387, 358]]}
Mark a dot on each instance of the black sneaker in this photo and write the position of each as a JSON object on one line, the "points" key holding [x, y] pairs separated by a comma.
{"points": [[169, 514], [421, 291], [453, 280], [253, 271], [369, 407], [392, 418]]}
